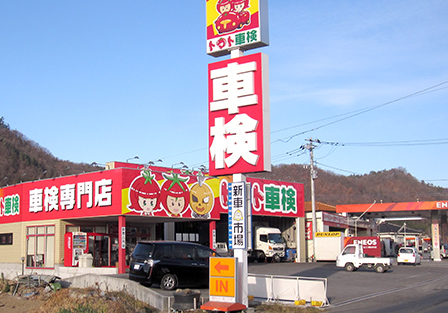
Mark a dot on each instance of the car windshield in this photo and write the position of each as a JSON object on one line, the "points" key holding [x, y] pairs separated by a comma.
{"points": [[408, 250], [143, 250], [275, 238]]}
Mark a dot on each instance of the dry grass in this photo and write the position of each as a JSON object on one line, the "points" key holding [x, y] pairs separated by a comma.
{"points": [[92, 300], [95, 300]]}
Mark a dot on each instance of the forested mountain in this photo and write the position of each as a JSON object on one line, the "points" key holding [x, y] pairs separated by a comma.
{"points": [[24, 160]]}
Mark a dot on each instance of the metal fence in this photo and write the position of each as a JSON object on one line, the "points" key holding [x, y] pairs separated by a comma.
{"points": [[288, 288]]}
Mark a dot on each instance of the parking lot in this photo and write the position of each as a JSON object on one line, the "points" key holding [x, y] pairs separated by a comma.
{"points": [[404, 288]]}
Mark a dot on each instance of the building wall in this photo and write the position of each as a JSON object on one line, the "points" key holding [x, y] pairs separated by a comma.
{"points": [[13, 253]]}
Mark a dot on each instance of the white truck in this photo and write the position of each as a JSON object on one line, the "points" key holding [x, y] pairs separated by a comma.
{"points": [[267, 243], [352, 258]]}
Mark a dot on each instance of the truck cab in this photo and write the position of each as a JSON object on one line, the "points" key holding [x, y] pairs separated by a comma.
{"points": [[269, 240]]}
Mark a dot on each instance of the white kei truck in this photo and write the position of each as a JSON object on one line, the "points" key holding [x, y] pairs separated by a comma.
{"points": [[353, 257]]}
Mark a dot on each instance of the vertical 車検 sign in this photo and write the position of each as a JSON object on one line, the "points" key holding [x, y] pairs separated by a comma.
{"points": [[237, 216], [239, 130], [236, 24]]}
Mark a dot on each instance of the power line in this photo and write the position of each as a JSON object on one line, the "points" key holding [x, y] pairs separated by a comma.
{"points": [[426, 142], [335, 168], [351, 114], [362, 111]]}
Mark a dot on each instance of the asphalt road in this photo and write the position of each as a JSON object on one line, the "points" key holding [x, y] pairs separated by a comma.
{"points": [[404, 288]]}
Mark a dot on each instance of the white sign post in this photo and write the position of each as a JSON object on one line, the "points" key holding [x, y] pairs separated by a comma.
{"points": [[238, 232]]}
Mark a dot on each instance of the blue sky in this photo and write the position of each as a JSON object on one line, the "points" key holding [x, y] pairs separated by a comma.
{"points": [[99, 81]]}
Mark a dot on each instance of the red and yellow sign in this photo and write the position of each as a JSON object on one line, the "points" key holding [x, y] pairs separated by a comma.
{"points": [[141, 191], [236, 23]]}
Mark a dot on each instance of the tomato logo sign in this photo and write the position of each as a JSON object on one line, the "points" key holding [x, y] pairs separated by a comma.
{"points": [[174, 194], [144, 194]]}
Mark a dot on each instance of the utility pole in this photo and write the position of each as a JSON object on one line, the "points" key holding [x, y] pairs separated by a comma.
{"points": [[310, 146]]}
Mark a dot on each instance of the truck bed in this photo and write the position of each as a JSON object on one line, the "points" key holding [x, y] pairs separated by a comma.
{"points": [[375, 260]]}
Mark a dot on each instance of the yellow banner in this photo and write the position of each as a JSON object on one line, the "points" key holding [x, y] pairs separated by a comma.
{"points": [[328, 234]]}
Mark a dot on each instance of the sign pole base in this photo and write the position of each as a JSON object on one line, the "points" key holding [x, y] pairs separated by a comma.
{"points": [[223, 306]]}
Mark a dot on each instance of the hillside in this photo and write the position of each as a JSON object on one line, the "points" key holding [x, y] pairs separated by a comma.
{"points": [[24, 160]]}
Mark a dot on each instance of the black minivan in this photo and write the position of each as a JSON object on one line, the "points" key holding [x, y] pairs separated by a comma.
{"points": [[170, 264]]}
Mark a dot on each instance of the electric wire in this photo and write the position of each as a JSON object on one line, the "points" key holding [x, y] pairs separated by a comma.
{"points": [[359, 112], [336, 168], [300, 150]]}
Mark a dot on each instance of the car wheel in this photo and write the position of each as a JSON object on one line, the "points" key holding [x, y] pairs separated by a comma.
{"points": [[380, 268], [261, 257], [349, 267], [168, 282], [277, 258]]}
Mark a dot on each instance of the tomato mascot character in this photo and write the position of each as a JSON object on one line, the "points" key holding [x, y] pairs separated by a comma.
{"points": [[174, 194], [144, 194], [240, 6], [228, 20], [201, 199]]}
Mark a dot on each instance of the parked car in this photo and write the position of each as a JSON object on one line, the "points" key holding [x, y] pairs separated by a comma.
{"points": [[408, 255], [444, 251], [170, 264]]}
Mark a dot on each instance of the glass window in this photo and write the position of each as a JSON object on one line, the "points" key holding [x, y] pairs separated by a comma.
{"points": [[162, 251], [49, 251], [100, 229], [30, 251], [204, 254], [264, 238], [349, 250], [143, 251], [40, 246], [6, 239], [72, 229], [185, 252]]}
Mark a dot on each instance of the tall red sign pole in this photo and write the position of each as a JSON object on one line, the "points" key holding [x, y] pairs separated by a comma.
{"points": [[239, 132]]}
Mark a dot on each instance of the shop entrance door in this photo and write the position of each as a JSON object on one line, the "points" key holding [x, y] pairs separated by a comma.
{"points": [[99, 247]]}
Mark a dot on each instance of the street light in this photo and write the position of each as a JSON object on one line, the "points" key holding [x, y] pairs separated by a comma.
{"points": [[154, 162], [180, 163], [136, 157]]}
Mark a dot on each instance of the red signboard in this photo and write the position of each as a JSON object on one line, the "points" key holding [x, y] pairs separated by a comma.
{"points": [[371, 245], [239, 132], [155, 191], [83, 195]]}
